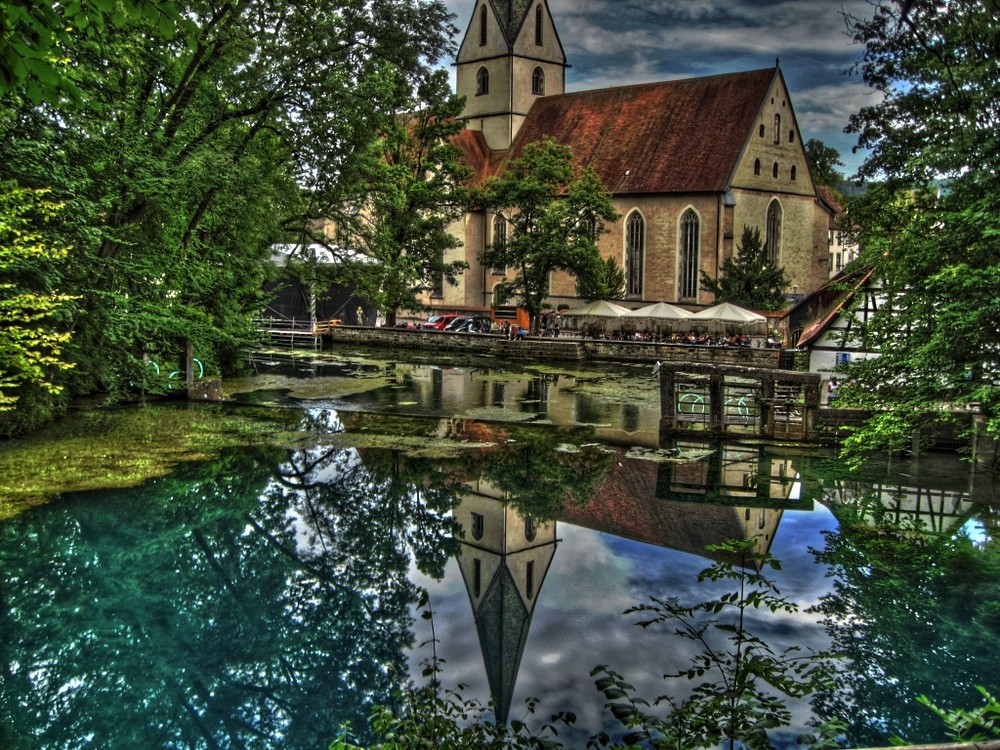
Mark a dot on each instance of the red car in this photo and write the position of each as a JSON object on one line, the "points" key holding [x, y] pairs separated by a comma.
{"points": [[438, 322]]}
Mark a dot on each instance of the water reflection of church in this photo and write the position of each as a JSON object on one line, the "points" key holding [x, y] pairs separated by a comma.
{"points": [[691, 496]]}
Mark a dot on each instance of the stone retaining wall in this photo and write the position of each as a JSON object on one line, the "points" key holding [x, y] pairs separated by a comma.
{"points": [[561, 348]]}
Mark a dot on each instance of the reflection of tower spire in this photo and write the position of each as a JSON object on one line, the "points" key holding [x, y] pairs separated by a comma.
{"points": [[504, 559]]}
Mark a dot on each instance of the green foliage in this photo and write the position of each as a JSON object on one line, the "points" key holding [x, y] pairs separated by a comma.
{"points": [[733, 704], [750, 278], [901, 593], [823, 162], [31, 340], [607, 283], [411, 190], [930, 229], [976, 725], [555, 212], [37, 40], [189, 155]]}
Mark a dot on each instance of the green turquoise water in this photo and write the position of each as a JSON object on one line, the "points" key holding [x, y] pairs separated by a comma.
{"points": [[256, 587]]}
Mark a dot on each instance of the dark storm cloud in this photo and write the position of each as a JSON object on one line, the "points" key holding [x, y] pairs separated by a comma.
{"points": [[622, 42]]}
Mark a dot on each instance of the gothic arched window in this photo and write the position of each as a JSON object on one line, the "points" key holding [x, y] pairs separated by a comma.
{"points": [[530, 529], [482, 26], [756, 167], [538, 82], [794, 172], [635, 251], [688, 255], [499, 240], [772, 242], [538, 25], [482, 81], [774, 170]]}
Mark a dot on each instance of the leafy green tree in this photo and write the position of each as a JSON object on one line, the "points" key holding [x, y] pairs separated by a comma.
{"points": [[607, 283], [930, 229], [412, 183], [749, 278], [37, 39], [188, 158], [556, 213], [823, 162], [31, 341]]}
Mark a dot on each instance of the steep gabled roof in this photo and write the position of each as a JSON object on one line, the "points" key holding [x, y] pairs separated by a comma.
{"points": [[682, 136], [821, 308], [511, 14]]}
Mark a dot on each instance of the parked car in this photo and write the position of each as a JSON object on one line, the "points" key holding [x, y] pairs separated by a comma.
{"points": [[469, 324], [439, 321]]}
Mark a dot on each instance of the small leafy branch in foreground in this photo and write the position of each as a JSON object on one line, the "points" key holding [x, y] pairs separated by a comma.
{"points": [[978, 725], [734, 703], [435, 718]]}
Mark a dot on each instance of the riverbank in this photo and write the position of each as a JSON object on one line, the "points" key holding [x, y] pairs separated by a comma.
{"points": [[559, 348]]}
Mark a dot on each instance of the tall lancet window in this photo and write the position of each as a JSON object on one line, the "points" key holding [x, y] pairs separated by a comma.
{"points": [[482, 26], [538, 25], [772, 242], [482, 82], [635, 252], [499, 241], [689, 256], [538, 82]]}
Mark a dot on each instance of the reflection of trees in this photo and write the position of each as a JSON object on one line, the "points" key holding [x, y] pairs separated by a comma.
{"points": [[540, 477], [900, 600], [219, 608]]}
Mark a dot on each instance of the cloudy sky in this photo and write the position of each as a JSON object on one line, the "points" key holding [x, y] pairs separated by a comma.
{"points": [[621, 42]]}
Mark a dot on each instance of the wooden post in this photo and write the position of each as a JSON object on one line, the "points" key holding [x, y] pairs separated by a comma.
{"points": [[716, 399], [668, 398]]}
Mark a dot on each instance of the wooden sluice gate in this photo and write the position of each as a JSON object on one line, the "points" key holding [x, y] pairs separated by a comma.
{"points": [[719, 401]]}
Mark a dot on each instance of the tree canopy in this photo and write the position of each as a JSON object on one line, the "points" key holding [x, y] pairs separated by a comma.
{"points": [[823, 162], [930, 228], [749, 278], [190, 152], [555, 213], [411, 189]]}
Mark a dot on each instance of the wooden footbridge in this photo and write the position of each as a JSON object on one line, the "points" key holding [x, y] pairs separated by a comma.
{"points": [[719, 401]]}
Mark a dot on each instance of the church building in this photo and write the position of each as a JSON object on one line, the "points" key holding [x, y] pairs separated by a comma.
{"points": [[688, 163]]}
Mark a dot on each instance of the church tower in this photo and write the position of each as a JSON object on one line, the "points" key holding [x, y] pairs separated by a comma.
{"points": [[504, 558], [511, 55]]}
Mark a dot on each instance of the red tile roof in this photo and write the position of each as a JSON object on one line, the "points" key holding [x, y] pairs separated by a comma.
{"points": [[478, 156], [672, 137], [829, 301]]}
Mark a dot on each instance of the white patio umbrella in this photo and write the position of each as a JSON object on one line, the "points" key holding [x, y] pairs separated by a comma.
{"points": [[599, 309], [661, 311], [727, 312]]}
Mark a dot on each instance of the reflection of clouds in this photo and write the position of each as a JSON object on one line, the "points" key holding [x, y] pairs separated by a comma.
{"points": [[598, 574], [578, 621]]}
